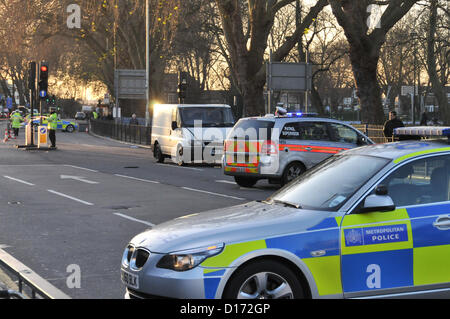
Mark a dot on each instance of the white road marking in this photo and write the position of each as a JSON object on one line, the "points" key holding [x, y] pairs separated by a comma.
{"points": [[137, 179], [211, 193], [226, 182], [79, 179], [135, 220], [82, 168], [183, 167], [70, 197], [18, 180], [4, 246]]}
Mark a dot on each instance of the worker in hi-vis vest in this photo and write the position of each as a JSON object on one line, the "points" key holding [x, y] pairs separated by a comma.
{"points": [[16, 121], [52, 126]]}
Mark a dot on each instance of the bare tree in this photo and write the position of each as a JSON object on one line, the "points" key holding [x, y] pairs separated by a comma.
{"points": [[365, 46], [246, 26]]}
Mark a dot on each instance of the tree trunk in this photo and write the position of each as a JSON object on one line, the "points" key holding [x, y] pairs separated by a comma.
{"points": [[438, 88], [368, 89], [253, 98]]}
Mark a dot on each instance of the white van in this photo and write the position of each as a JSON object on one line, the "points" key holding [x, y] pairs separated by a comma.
{"points": [[190, 133]]}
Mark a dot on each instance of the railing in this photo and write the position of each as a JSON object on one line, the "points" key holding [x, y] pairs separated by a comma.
{"points": [[374, 132], [135, 134], [39, 287]]}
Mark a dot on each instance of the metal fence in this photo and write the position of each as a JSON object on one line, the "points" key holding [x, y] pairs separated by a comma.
{"points": [[28, 282], [374, 132], [136, 134]]}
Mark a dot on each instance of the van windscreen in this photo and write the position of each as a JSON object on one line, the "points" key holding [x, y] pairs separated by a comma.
{"points": [[208, 116], [252, 129]]}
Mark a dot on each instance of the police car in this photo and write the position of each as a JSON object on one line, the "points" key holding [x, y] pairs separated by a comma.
{"points": [[280, 148], [66, 126], [369, 222]]}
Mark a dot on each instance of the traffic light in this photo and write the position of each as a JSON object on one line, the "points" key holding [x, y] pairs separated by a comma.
{"points": [[43, 80], [182, 85]]}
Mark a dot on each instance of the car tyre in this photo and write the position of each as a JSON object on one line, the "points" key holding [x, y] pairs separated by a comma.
{"points": [[291, 172], [247, 182], [70, 129], [180, 156], [158, 154], [266, 279]]}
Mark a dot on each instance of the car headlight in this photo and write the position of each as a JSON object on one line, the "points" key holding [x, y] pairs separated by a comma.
{"points": [[189, 259]]}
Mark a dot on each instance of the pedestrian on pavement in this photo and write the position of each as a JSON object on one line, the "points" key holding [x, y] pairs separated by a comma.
{"points": [[16, 121], [392, 124], [52, 126], [134, 120], [424, 119]]}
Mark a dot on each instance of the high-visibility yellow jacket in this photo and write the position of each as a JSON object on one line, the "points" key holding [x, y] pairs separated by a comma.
{"points": [[16, 120], [52, 121]]}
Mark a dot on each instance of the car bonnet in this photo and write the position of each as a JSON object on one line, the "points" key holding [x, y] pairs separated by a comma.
{"points": [[242, 223]]}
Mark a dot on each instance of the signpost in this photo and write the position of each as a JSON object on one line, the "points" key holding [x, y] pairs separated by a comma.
{"points": [[290, 77]]}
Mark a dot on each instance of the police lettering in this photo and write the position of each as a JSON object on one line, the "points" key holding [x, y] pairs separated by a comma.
{"points": [[389, 237]]}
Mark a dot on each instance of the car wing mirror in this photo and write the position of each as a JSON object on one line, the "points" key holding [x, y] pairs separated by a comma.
{"points": [[361, 140]]}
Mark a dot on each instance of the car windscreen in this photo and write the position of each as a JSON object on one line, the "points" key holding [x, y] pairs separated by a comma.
{"points": [[206, 116], [252, 129], [330, 184]]}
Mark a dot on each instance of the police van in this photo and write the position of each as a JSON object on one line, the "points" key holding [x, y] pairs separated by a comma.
{"points": [[282, 147]]}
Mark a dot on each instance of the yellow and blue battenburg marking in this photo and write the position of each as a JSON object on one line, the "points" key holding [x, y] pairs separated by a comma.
{"points": [[361, 252]]}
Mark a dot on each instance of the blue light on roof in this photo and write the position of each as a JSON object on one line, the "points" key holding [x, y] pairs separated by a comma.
{"points": [[299, 114]]}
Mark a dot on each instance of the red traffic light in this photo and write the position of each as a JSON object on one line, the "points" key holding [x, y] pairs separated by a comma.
{"points": [[44, 68]]}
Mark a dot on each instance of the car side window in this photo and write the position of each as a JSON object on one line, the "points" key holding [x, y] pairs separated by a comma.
{"points": [[343, 134], [314, 131], [423, 181]]}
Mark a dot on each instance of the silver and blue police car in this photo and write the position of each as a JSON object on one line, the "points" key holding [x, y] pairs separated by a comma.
{"points": [[282, 147], [368, 222]]}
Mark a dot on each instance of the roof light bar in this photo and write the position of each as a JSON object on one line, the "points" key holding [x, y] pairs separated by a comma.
{"points": [[423, 131]]}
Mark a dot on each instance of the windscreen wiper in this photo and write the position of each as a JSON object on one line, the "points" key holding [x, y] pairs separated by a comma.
{"points": [[287, 203]]}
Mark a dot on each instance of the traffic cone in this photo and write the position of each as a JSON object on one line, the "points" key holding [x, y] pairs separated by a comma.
{"points": [[6, 136]]}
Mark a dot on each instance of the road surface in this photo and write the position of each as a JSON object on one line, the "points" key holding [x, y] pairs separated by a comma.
{"points": [[81, 204]]}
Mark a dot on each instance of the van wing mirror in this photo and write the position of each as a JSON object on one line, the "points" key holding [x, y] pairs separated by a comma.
{"points": [[174, 125]]}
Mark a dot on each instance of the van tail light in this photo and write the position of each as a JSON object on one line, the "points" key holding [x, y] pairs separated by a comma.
{"points": [[269, 148]]}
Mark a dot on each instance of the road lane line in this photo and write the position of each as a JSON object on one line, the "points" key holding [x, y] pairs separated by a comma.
{"points": [[82, 168], [183, 167], [70, 197], [18, 180], [135, 220], [211, 193], [137, 179], [226, 182]]}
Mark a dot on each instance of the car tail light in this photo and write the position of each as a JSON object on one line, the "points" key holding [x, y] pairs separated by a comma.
{"points": [[269, 148]]}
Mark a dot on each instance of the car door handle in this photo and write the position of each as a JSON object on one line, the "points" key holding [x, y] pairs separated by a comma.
{"points": [[309, 149], [442, 223]]}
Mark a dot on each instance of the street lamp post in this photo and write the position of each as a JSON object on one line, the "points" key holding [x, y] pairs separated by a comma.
{"points": [[147, 61], [413, 107]]}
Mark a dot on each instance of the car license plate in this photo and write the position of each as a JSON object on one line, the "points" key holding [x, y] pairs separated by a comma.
{"points": [[130, 280]]}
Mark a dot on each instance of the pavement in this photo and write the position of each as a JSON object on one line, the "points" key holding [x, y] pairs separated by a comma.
{"points": [[80, 205]]}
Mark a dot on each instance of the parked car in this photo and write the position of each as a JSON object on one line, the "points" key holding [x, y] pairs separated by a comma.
{"points": [[281, 148], [175, 134], [370, 222], [80, 116]]}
